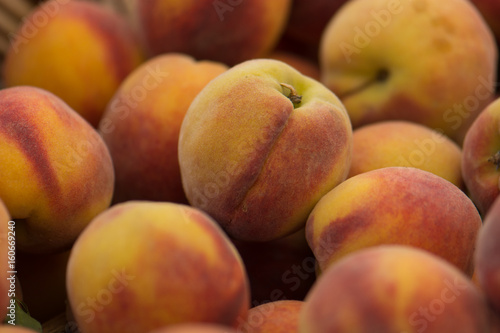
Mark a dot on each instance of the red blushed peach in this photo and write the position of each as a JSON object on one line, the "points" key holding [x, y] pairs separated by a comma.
{"points": [[394, 288], [395, 205], [276, 317], [408, 144], [481, 157], [143, 265], [225, 31], [78, 50], [56, 170], [487, 256], [260, 145], [142, 121]]}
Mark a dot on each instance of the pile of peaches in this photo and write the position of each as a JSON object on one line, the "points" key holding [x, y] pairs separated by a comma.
{"points": [[236, 166]]}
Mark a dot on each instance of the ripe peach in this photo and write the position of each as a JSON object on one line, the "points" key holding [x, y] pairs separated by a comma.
{"points": [[490, 9], [394, 288], [368, 57], [144, 265], [6, 244], [277, 317], [395, 205], [78, 50], [481, 157], [279, 269], [260, 145], [225, 31], [403, 143], [142, 122], [57, 173], [15, 329]]}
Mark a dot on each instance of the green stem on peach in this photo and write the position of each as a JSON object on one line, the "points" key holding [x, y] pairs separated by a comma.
{"points": [[294, 97], [495, 159]]}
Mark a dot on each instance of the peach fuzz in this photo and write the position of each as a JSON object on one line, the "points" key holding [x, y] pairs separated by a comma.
{"points": [[78, 50], [438, 71], [394, 288], [6, 245], [280, 316], [481, 157], [141, 125], [57, 173], [407, 144], [395, 205], [225, 31], [169, 263], [254, 160], [195, 328]]}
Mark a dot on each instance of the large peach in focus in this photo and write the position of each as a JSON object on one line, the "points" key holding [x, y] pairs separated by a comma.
{"points": [[260, 145]]}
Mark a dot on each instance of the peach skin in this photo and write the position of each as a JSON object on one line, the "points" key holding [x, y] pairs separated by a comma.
{"points": [[481, 157], [394, 288], [260, 145], [195, 328], [273, 317], [78, 50], [143, 265], [225, 31], [57, 173], [395, 205], [403, 143], [142, 122], [438, 71]]}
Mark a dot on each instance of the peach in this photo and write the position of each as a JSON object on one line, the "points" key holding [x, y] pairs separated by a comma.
{"points": [[394, 288], [195, 328], [78, 50], [403, 143], [439, 71], [395, 205], [277, 317], [15, 329], [142, 122], [144, 265], [225, 31], [260, 145], [300, 63], [279, 269], [57, 173], [481, 157], [7, 258], [487, 258], [490, 9]]}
